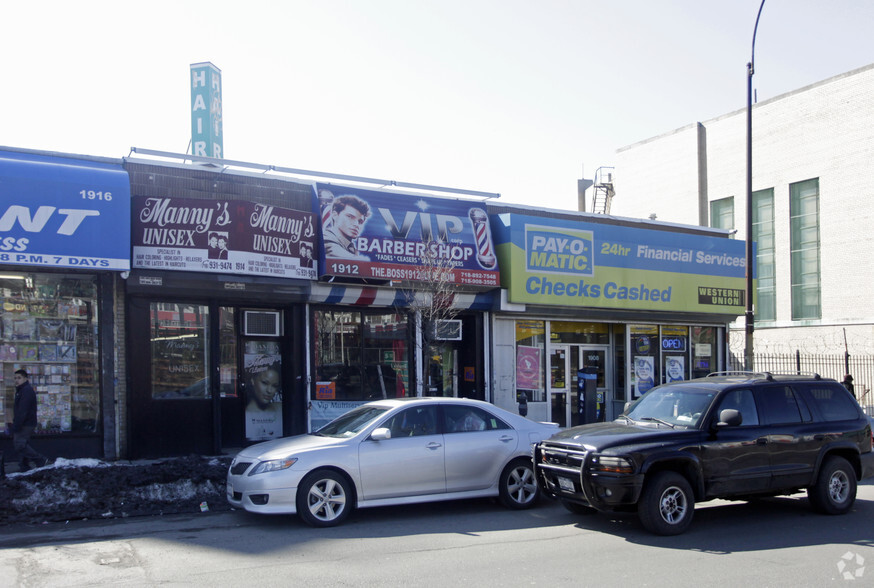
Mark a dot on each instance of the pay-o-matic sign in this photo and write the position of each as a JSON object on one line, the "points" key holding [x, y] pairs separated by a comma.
{"points": [[60, 212], [577, 263]]}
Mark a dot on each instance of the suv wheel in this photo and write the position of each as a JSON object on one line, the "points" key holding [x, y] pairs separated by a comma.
{"points": [[835, 489], [666, 504]]}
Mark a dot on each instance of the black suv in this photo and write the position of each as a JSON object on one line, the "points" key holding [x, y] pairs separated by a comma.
{"points": [[734, 435]]}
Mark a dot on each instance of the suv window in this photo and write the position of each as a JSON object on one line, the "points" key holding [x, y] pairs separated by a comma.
{"points": [[741, 401], [834, 402], [779, 405]]}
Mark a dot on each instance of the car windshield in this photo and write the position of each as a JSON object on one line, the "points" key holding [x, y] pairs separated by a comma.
{"points": [[674, 406], [352, 422]]}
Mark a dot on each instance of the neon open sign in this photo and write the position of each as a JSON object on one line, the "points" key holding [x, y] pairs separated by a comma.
{"points": [[673, 344]]}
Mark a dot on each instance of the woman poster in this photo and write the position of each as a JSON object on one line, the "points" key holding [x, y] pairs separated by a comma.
{"points": [[263, 373]]}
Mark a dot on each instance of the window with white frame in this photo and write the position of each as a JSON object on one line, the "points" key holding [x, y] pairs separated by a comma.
{"points": [[804, 249], [722, 213], [763, 235]]}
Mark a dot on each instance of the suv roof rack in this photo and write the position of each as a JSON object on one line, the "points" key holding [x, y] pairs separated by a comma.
{"points": [[767, 375]]}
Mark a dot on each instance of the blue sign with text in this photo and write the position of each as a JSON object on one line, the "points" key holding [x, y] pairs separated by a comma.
{"points": [[63, 212]]}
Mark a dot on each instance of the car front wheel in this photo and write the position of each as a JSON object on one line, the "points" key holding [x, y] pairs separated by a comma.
{"points": [[324, 498], [518, 486], [835, 489], [666, 504]]}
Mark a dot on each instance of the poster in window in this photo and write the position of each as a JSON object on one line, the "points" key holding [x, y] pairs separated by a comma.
{"points": [[643, 373], [528, 368], [675, 368], [262, 365]]}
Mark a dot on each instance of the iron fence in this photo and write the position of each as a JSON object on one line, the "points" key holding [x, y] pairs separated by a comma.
{"points": [[836, 366]]}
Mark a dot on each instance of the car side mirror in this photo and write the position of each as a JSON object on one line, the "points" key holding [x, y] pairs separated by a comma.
{"points": [[381, 434], [730, 418]]}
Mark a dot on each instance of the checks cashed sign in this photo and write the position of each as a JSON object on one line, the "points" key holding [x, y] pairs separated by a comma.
{"points": [[389, 236], [580, 263]]}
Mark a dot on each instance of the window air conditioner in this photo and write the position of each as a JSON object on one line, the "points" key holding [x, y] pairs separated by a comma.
{"points": [[260, 323]]}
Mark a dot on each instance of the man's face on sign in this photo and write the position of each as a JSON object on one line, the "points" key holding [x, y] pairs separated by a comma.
{"points": [[349, 222]]}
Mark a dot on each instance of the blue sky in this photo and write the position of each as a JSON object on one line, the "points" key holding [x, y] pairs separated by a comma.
{"points": [[516, 97]]}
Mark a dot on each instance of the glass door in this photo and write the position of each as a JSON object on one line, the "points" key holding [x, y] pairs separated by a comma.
{"points": [[595, 358], [559, 385]]}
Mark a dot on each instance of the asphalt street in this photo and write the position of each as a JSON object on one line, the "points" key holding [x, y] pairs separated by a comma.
{"points": [[771, 542]]}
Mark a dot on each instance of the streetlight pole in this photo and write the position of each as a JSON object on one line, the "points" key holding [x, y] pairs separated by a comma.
{"points": [[750, 261]]}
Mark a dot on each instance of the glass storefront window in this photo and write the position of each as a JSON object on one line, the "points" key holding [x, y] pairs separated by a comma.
{"points": [[179, 334], [644, 355], [361, 356], [580, 333], [530, 366], [674, 343], [704, 351], [49, 328]]}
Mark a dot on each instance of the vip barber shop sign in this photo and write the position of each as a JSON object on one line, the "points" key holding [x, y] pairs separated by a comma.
{"points": [[388, 236]]}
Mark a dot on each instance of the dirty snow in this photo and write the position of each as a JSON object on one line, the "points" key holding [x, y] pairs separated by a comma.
{"points": [[71, 489]]}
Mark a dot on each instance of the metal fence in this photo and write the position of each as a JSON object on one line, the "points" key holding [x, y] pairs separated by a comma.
{"points": [[861, 367]]}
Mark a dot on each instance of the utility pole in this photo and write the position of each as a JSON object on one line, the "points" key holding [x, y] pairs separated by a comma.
{"points": [[750, 260]]}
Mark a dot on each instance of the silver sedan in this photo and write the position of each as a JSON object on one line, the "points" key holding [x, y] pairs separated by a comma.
{"points": [[399, 451]]}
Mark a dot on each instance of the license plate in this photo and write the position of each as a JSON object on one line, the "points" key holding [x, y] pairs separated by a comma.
{"points": [[566, 484]]}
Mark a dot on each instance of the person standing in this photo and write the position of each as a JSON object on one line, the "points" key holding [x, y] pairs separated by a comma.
{"points": [[24, 422]]}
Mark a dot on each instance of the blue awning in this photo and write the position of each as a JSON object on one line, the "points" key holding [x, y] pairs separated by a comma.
{"points": [[62, 212]]}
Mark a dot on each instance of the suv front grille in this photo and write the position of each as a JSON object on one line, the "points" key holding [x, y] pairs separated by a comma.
{"points": [[562, 457]]}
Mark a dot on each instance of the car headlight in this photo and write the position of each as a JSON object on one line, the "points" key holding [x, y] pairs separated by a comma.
{"points": [[273, 465], [612, 465]]}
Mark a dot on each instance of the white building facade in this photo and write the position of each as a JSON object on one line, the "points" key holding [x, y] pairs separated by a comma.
{"points": [[813, 207]]}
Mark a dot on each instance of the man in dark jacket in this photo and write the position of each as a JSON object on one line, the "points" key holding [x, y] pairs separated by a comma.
{"points": [[24, 423]]}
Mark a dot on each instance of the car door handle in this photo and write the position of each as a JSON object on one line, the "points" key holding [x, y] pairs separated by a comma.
{"points": [[434, 445], [505, 438], [762, 441]]}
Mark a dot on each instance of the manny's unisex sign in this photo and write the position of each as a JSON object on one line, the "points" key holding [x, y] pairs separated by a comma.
{"points": [[63, 212], [228, 236]]}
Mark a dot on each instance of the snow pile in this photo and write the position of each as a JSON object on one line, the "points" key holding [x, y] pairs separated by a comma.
{"points": [[90, 488]]}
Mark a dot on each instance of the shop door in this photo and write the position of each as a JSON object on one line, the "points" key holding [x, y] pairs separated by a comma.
{"points": [[559, 385], [230, 387], [442, 370], [171, 410], [590, 356]]}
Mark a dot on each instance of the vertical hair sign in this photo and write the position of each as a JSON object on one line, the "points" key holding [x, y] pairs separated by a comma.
{"points": [[206, 110]]}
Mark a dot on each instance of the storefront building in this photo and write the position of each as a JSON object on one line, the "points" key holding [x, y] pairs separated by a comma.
{"points": [[64, 240], [216, 298], [627, 304], [405, 285], [260, 307]]}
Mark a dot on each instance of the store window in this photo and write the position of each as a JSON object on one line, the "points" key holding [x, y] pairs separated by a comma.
{"points": [[179, 334], [361, 356], [675, 353], [704, 351], [579, 333], [644, 352], [530, 351], [49, 328]]}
